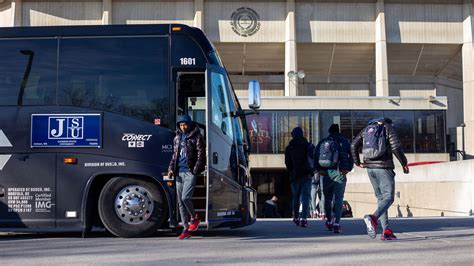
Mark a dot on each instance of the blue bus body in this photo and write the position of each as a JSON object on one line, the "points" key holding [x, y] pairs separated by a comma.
{"points": [[86, 127]]}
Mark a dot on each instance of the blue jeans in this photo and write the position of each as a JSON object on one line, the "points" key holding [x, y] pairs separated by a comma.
{"points": [[185, 183], [383, 182], [334, 186], [315, 193], [301, 189]]}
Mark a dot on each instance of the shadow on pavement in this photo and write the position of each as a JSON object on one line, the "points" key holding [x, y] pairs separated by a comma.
{"points": [[285, 229], [429, 228]]}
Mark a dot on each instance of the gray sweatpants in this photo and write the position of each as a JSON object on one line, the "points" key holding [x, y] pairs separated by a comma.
{"points": [[185, 183], [383, 182]]}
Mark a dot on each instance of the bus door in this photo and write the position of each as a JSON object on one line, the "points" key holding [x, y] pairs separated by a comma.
{"points": [[223, 189]]}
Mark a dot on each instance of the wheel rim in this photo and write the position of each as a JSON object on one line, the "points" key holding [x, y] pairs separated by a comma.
{"points": [[134, 205]]}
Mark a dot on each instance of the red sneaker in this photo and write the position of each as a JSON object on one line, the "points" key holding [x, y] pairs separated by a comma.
{"points": [[388, 235], [371, 223], [336, 228], [184, 235], [194, 224], [329, 225], [296, 221]]}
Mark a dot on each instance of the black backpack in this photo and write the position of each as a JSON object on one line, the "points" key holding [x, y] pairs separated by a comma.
{"points": [[328, 153], [375, 141]]}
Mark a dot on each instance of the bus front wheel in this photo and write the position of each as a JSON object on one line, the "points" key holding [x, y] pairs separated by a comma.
{"points": [[131, 207]]}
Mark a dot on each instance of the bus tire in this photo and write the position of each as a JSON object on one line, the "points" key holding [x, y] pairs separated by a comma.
{"points": [[131, 207]]}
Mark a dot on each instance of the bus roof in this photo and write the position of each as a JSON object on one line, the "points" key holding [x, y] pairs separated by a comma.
{"points": [[106, 30]]}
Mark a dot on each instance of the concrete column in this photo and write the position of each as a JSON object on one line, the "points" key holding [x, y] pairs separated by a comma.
{"points": [[17, 13], [106, 12], [198, 16], [381, 64], [291, 84], [468, 78]]}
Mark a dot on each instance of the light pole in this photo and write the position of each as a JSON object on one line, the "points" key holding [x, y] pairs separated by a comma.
{"points": [[297, 74]]}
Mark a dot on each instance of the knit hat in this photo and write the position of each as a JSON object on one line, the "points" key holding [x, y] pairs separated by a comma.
{"points": [[297, 132], [334, 128]]}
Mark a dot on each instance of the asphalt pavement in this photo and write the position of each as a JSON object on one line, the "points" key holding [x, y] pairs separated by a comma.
{"points": [[268, 242]]}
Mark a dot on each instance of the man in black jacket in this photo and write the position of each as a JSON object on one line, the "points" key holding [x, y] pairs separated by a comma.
{"points": [[188, 160], [380, 171], [297, 163]]}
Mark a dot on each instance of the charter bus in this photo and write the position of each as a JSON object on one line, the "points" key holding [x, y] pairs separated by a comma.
{"points": [[87, 119]]}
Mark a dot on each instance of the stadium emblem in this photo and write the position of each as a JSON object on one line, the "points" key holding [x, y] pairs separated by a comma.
{"points": [[245, 21]]}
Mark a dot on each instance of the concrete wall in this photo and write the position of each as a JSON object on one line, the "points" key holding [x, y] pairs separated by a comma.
{"points": [[270, 85], [5, 14], [349, 103], [424, 23], [218, 17], [431, 190], [277, 161], [335, 22], [454, 116], [146, 12], [62, 13]]}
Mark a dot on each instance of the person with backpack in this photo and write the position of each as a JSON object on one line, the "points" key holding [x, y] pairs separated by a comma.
{"points": [[379, 142], [298, 163], [333, 161]]}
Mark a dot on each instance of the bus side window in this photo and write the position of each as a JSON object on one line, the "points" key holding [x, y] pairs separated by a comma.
{"points": [[124, 75], [33, 63], [221, 111]]}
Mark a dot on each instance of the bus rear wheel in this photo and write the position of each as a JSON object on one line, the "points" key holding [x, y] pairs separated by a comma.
{"points": [[131, 207]]}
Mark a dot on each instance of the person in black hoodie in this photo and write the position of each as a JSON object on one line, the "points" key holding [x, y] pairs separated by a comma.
{"points": [[379, 133], [298, 165], [333, 178]]}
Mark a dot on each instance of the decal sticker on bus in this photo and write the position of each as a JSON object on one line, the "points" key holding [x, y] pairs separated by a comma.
{"points": [[65, 130]]}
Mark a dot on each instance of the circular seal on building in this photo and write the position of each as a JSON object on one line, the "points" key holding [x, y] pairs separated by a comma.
{"points": [[245, 21]]}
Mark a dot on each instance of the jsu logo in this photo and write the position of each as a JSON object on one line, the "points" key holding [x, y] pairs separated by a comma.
{"points": [[66, 127]]}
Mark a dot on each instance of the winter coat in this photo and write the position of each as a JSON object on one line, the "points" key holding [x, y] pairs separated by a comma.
{"points": [[296, 159], [385, 161], [195, 152]]}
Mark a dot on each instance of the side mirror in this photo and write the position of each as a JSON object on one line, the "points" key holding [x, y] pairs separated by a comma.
{"points": [[254, 94]]}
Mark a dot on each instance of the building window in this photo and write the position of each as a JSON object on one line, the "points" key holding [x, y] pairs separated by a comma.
{"points": [[418, 131], [342, 118], [261, 133], [403, 125], [429, 131], [360, 119]]}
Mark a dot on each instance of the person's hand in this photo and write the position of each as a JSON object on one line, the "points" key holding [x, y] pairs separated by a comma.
{"points": [[344, 172], [406, 170], [322, 173], [361, 165], [170, 174]]}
